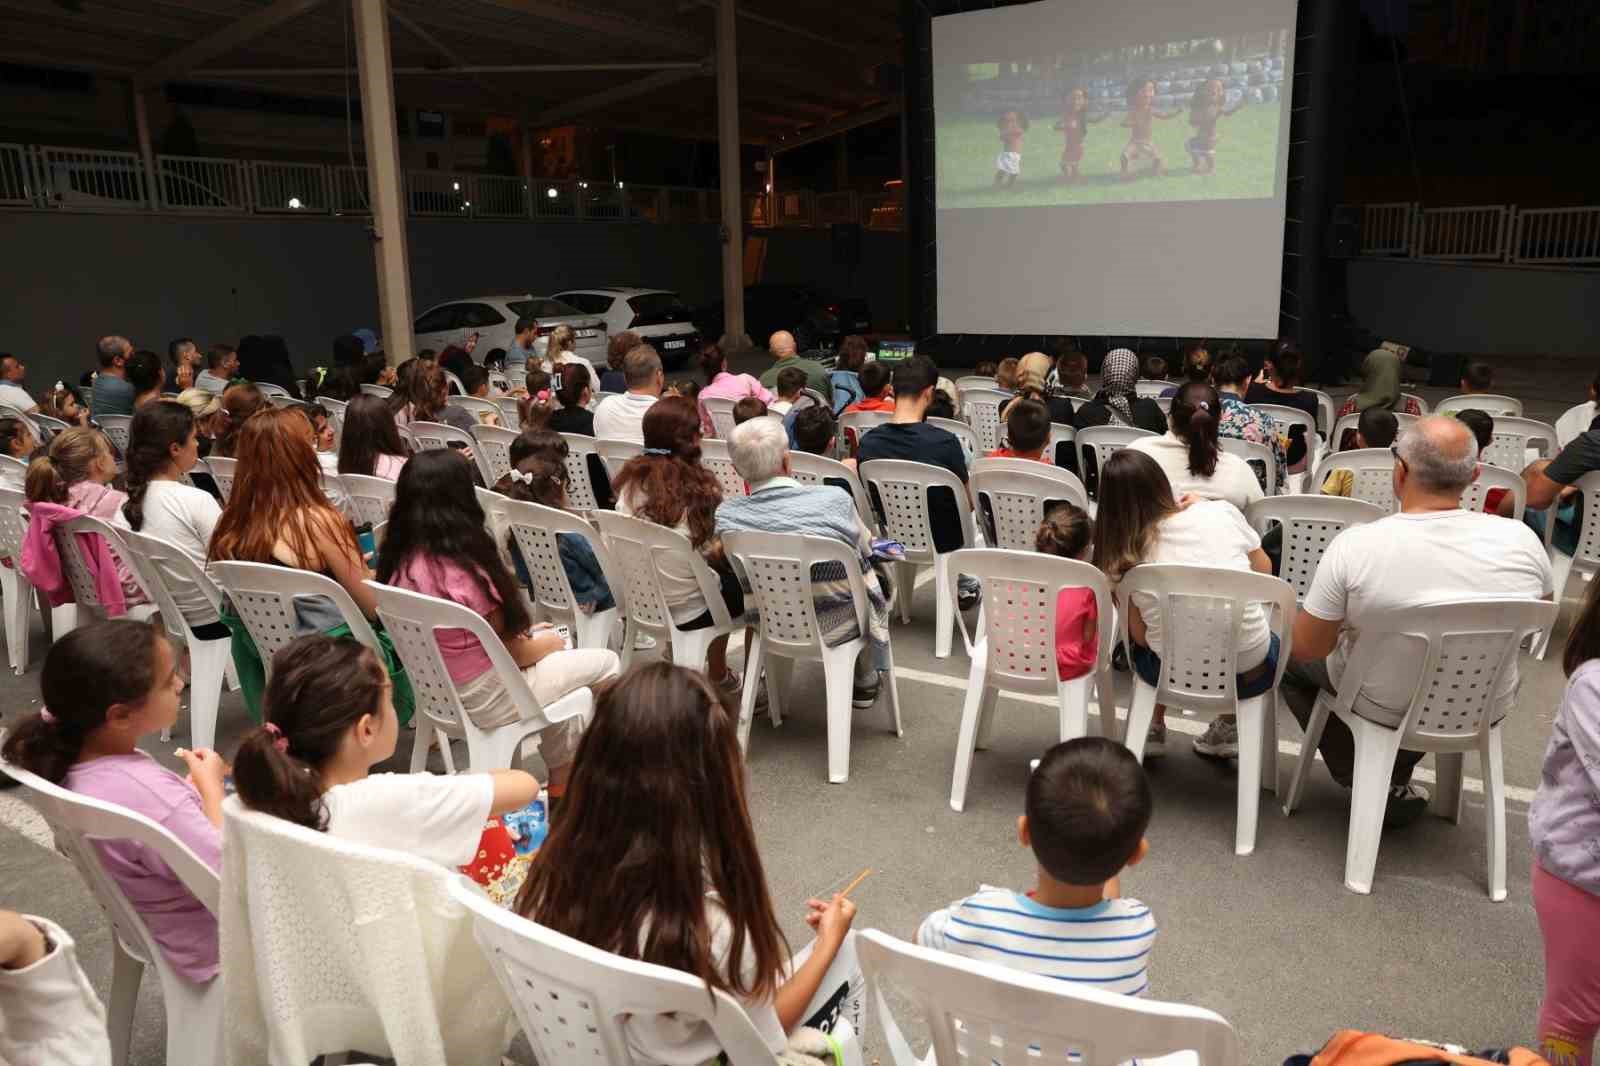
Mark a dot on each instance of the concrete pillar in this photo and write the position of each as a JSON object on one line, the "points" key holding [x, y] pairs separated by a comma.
{"points": [[147, 152], [384, 184], [729, 169]]}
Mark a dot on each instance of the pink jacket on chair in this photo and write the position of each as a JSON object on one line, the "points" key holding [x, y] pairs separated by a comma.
{"points": [[42, 565]]}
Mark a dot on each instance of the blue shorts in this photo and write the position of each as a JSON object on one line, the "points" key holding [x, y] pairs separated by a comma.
{"points": [[1147, 664]]}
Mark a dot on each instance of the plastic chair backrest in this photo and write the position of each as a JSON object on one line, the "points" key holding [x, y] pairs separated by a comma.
{"points": [[1512, 438], [1063, 447], [1587, 557], [13, 523], [720, 408], [1468, 645], [222, 472], [116, 429], [856, 424], [974, 381], [431, 435], [263, 595], [1202, 609], [493, 449], [1494, 477], [779, 567], [13, 470], [1021, 590], [572, 998], [370, 497], [453, 384], [381, 391], [1327, 412], [1573, 421], [1017, 492], [580, 489], [1373, 475], [269, 390], [76, 568], [1262, 460], [172, 576], [717, 458], [638, 548], [980, 406], [498, 380], [616, 453], [1422, 405], [1347, 425], [535, 527], [1148, 389], [811, 469], [510, 411], [283, 402], [1288, 417], [49, 424], [475, 407], [1487, 402], [963, 432], [899, 490], [1309, 525], [979, 1013], [77, 821], [1096, 444]]}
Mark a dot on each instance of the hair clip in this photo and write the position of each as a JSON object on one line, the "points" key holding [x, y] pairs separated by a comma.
{"points": [[279, 741], [544, 396], [60, 387], [518, 476], [658, 451], [46, 716]]}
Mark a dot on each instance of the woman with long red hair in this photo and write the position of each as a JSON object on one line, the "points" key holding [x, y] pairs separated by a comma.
{"points": [[279, 514]]}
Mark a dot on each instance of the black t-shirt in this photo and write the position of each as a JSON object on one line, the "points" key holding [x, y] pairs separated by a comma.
{"points": [[1147, 414], [573, 420], [1580, 457], [922, 443]]}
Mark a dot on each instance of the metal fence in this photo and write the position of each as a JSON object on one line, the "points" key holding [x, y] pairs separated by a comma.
{"points": [[199, 184], [16, 185], [1489, 233]]}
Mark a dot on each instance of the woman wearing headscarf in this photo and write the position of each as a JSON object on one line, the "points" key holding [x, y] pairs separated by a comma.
{"points": [[1380, 387], [1117, 404]]}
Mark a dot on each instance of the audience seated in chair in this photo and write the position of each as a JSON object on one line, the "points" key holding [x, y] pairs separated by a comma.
{"points": [[1087, 808], [371, 444], [105, 686], [18, 442], [1197, 367], [1242, 422], [543, 480], [815, 431], [1376, 428], [112, 394], [239, 403], [784, 356], [779, 504], [722, 384], [222, 366], [1033, 383], [789, 383], [1431, 551], [662, 782], [1066, 532], [1139, 521], [427, 400], [752, 407], [1117, 403], [76, 473], [147, 376], [1477, 376], [845, 377], [1070, 378], [1550, 481], [622, 417], [1278, 383], [611, 378], [163, 445], [1191, 457], [574, 392], [876, 395], [559, 353], [437, 544], [1481, 423], [1027, 432], [1380, 387]]}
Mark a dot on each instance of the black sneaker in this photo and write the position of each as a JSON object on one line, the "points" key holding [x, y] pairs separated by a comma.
{"points": [[865, 695], [968, 593], [1406, 804]]}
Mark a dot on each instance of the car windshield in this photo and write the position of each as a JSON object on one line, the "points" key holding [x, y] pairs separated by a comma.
{"points": [[540, 307], [656, 304]]}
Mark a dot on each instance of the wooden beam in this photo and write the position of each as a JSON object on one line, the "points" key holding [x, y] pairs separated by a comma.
{"points": [[641, 87], [224, 40], [603, 23]]}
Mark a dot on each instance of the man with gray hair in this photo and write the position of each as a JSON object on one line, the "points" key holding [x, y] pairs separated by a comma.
{"points": [[622, 417], [1430, 552], [777, 503], [112, 394]]}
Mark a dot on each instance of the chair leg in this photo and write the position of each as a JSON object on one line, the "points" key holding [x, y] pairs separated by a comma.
{"points": [[1140, 714], [944, 615], [905, 580], [967, 738], [126, 972], [838, 672], [753, 655], [1308, 754], [1494, 814], [1561, 572], [1072, 702], [16, 616], [63, 620], [625, 653], [1105, 698], [1376, 749], [887, 678], [46, 619], [422, 741], [1269, 741], [1251, 729], [206, 659], [991, 701], [779, 671], [1448, 768]]}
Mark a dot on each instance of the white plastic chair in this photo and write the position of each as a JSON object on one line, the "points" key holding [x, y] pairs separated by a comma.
{"points": [[1063, 436], [370, 497], [493, 449], [616, 453], [187, 596], [981, 1013], [283, 402], [1261, 459], [980, 407], [720, 408], [475, 407], [1487, 402], [778, 567], [13, 471], [85, 593], [1202, 609], [1586, 563], [716, 457], [222, 472], [499, 382], [194, 1012], [963, 433], [1150, 389], [1309, 525], [1573, 422], [1373, 475], [1513, 437], [1327, 414], [269, 390], [335, 946], [1286, 418], [412, 620], [453, 384], [856, 424], [50, 425], [899, 489], [1017, 492], [383, 392], [811, 469], [1422, 405], [1494, 477], [639, 549], [116, 429], [1096, 444], [1015, 647], [974, 381], [263, 596], [535, 527], [581, 494], [433, 435], [572, 998], [1463, 648], [510, 411], [1347, 424], [14, 585]]}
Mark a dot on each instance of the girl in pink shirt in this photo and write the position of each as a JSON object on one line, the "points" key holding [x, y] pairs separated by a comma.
{"points": [[106, 686], [1065, 532], [76, 472]]}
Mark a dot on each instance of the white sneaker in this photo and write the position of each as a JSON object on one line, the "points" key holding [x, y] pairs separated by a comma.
{"points": [[643, 642]]}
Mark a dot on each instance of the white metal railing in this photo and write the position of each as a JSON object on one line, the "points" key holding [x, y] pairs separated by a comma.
{"points": [[1386, 228], [496, 196], [16, 175], [289, 187], [436, 193], [197, 183], [602, 200], [555, 199], [1556, 235], [1462, 232], [88, 178], [350, 196]]}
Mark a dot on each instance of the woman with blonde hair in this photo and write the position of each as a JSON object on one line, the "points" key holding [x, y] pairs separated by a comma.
{"points": [[1033, 377], [210, 419], [559, 352]]}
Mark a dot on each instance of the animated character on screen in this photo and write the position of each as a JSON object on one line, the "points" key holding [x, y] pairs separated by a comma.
{"points": [[1140, 120], [1074, 125], [1008, 164], [1204, 112]]}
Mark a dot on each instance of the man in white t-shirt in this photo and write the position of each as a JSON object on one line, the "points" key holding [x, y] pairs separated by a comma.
{"points": [[1432, 551], [12, 393], [622, 417]]}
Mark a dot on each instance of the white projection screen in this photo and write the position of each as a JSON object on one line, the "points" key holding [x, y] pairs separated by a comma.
{"points": [[1106, 167]]}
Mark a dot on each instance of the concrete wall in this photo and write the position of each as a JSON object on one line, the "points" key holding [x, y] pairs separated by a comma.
{"points": [[1480, 309]]}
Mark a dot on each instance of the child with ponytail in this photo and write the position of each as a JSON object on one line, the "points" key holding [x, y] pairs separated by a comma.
{"points": [[542, 480], [106, 686], [1191, 455], [76, 471], [163, 446], [539, 404]]}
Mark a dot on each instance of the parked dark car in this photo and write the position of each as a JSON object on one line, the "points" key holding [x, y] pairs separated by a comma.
{"points": [[815, 320]]}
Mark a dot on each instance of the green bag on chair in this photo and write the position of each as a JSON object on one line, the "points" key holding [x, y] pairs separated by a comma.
{"points": [[253, 675]]}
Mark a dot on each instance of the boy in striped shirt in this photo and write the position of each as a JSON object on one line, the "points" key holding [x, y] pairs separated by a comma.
{"points": [[1088, 805]]}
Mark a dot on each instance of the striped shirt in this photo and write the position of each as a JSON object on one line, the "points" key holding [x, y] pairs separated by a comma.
{"points": [[1106, 946]]}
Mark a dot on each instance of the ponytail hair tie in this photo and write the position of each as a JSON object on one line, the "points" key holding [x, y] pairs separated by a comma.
{"points": [[543, 396], [279, 741], [658, 451], [46, 717]]}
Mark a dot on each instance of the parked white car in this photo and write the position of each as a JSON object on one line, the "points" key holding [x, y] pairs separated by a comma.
{"points": [[494, 320], [656, 315]]}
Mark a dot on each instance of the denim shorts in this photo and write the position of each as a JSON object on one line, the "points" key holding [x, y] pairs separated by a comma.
{"points": [[1147, 664]]}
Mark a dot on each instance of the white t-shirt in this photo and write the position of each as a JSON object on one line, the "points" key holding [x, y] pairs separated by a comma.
{"points": [[16, 396], [181, 514], [438, 817], [622, 417], [1208, 533], [549, 366], [673, 1040], [1409, 559], [1233, 481]]}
